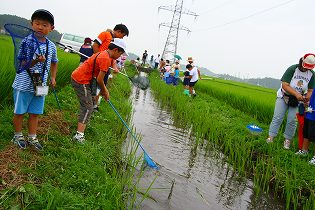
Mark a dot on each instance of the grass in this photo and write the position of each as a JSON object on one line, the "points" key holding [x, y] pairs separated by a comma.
{"points": [[66, 175], [218, 118]]}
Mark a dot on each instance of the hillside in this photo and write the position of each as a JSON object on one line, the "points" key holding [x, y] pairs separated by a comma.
{"points": [[267, 82], [4, 18]]}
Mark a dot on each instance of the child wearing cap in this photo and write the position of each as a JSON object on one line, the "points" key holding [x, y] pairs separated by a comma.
{"points": [[308, 62], [86, 49], [38, 55], [102, 42], [82, 82], [297, 85]]}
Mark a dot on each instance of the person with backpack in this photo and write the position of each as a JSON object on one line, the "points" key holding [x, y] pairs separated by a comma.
{"points": [[102, 42], [86, 49], [83, 80], [297, 85]]}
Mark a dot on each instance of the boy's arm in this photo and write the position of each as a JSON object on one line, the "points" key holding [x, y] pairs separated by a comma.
{"points": [[53, 70], [199, 73], [100, 82]]}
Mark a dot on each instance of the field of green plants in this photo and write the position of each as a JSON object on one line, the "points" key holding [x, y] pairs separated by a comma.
{"points": [[219, 115], [96, 175]]}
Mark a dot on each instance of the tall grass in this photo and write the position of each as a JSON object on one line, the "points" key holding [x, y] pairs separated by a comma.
{"points": [[67, 63], [222, 121], [255, 101], [66, 175]]}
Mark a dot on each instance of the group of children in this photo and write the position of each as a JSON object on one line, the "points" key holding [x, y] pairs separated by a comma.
{"points": [[171, 75], [29, 97], [29, 94]]}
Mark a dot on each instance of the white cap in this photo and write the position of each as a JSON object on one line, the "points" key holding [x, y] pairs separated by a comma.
{"points": [[120, 43]]}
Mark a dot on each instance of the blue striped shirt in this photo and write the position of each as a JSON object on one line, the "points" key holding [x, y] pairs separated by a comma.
{"points": [[23, 80]]}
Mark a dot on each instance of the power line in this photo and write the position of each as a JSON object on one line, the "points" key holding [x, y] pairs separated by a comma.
{"points": [[217, 7], [246, 17]]}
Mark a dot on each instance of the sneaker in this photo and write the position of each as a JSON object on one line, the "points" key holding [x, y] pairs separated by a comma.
{"points": [[286, 144], [269, 140], [20, 141], [302, 153], [34, 142], [95, 109], [79, 138], [312, 161]]}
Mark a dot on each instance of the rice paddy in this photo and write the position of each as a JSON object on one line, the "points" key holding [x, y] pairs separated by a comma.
{"points": [[219, 114]]}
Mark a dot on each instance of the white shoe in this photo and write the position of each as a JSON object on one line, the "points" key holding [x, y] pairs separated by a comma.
{"points": [[286, 144], [79, 138], [312, 161], [302, 153], [269, 140]]}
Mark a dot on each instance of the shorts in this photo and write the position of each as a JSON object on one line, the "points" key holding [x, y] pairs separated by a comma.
{"points": [[27, 102], [84, 94], [186, 81], [309, 130], [192, 84]]}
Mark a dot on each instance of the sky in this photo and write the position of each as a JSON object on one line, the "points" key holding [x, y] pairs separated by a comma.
{"points": [[243, 38]]}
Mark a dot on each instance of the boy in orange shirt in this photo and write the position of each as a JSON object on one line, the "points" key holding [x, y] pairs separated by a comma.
{"points": [[96, 66], [101, 43]]}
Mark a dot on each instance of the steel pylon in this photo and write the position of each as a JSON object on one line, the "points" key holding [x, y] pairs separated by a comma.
{"points": [[170, 48]]}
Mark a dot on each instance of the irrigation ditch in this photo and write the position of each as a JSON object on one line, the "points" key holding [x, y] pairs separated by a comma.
{"points": [[214, 125], [191, 175]]}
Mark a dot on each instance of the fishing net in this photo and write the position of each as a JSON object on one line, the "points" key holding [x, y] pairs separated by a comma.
{"points": [[24, 51], [26, 45], [141, 82]]}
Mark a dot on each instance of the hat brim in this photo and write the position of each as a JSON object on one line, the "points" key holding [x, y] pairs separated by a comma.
{"points": [[308, 66]]}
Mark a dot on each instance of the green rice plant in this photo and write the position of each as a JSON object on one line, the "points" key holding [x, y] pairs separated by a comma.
{"points": [[255, 101], [221, 120], [67, 175]]}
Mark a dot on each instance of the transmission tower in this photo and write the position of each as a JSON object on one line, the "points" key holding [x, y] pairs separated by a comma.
{"points": [[170, 47]]}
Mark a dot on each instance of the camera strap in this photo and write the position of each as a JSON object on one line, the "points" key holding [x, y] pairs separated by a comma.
{"points": [[45, 63]]}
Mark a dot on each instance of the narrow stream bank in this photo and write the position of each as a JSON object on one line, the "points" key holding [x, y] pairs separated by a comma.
{"points": [[202, 180]]}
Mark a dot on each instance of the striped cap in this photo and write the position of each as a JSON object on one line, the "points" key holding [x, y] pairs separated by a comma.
{"points": [[308, 61]]}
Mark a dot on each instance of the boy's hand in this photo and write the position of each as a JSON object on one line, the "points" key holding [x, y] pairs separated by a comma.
{"points": [[105, 95], [40, 58], [53, 82], [116, 70]]}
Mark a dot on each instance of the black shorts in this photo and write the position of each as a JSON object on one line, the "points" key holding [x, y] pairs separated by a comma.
{"points": [[186, 81], [309, 130], [192, 84]]}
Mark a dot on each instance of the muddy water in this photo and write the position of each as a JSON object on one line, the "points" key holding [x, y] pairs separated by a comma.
{"points": [[200, 179]]}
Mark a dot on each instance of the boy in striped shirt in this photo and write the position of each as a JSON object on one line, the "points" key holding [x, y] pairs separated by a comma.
{"points": [[37, 56]]}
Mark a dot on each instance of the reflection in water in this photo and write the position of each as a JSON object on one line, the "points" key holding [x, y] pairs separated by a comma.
{"points": [[202, 180]]}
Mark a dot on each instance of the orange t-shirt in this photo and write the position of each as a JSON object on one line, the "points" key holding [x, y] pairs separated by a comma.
{"points": [[83, 74], [104, 40]]}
